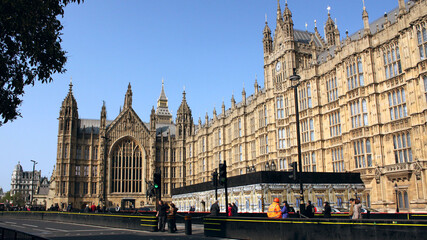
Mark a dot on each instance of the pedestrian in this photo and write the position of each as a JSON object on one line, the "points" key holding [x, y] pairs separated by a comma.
{"points": [[234, 209], [172, 219], [357, 210], [309, 211], [161, 214], [230, 208], [285, 209], [93, 207], [215, 208], [327, 210], [350, 213], [118, 208], [274, 209], [86, 210], [98, 208]]}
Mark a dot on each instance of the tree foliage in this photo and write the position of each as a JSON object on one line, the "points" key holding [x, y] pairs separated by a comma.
{"points": [[30, 48]]}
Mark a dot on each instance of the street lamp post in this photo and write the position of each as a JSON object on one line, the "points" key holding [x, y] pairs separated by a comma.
{"points": [[295, 80], [397, 200], [32, 182]]}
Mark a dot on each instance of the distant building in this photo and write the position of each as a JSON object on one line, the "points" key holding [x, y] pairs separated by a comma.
{"points": [[1, 193], [23, 182], [362, 104]]}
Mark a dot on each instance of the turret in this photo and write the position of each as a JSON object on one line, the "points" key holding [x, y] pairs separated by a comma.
{"points": [[402, 8], [153, 120], [233, 102], [103, 115], [223, 109], [256, 86], [288, 24], [128, 98], [337, 35], [330, 30], [184, 118], [267, 40], [365, 17], [68, 115], [243, 97]]}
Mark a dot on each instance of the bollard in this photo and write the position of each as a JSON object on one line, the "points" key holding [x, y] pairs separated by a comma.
{"points": [[171, 223], [187, 225]]}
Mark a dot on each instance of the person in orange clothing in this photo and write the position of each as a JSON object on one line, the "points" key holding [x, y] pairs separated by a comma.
{"points": [[274, 209]]}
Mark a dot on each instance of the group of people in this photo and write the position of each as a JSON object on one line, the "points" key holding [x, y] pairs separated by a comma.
{"points": [[275, 211], [232, 209], [163, 211]]}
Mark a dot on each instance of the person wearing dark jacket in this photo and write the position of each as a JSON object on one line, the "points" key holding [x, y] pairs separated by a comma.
{"points": [[234, 210], [161, 214], [215, 209], [309, 211], [327, 211]]}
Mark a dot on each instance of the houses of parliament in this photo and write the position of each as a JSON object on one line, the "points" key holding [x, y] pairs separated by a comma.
{"points": [[362, 102]]}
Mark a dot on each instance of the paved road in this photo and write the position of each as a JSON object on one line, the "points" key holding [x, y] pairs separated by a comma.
{"points": [[65, 231]]}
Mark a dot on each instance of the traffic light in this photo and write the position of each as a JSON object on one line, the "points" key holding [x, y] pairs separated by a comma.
{"points": [[294, 166], [157, 180], [215, 178], [222, 174]]}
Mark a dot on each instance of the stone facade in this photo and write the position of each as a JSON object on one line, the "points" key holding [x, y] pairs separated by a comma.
{"points": [[24, 183], [362, 102]]}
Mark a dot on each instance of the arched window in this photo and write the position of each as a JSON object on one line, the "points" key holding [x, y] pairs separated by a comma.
{"points": [[127, 167], [368, 200], [247, 205], [405, 198], [400, 200]]}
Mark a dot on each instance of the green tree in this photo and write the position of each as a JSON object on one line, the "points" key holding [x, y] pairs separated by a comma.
{"points": [[30, 48]]}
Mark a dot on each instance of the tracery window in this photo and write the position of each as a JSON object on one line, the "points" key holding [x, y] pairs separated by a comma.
{"points": [[402, 147], [335, 124], [397, 104], [337, 159], [332, 89], [355, 74], [279, 107], [392, 64], [358, 113], [304, 97], [362, 153], [422, 40], [127, 167]]}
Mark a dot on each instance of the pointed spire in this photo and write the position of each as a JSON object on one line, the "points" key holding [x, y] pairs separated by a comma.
{"points": [[223, 108], [214, 114], [279, 11], [365, 17], [256, 86], [103, 115], [206, 119], [233, 102], [162, 111], [128, 98], [267, 40], [71, 84], [402, 8]]}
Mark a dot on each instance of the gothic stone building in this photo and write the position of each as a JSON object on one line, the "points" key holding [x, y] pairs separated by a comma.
{"points": [[362, 102]]}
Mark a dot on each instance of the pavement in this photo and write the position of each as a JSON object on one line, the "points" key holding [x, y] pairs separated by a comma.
{"points": [[72, 231]]}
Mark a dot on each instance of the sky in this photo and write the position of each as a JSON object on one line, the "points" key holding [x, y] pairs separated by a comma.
{"points": [[212, 48]]}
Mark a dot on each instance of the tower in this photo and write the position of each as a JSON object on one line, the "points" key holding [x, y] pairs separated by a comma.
{"points": [[330, 30], [67, 137], [162, 112], [184, 125]]}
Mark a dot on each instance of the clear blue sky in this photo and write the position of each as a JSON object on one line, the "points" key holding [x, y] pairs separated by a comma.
{"points": [[212, 47]]}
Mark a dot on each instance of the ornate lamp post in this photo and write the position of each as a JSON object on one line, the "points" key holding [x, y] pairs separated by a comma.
{"points": [[32, 182], [267, 167], [396, 188], [294, 84]]}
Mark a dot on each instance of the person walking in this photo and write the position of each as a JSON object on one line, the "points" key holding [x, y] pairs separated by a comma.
{"points": [[215, 208], [357, 210], [274, 209], [161, 214], [351, 212], [309, 211], [230, 208], [327, 210], [234, 210], [285, 210], [172, 217]]}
